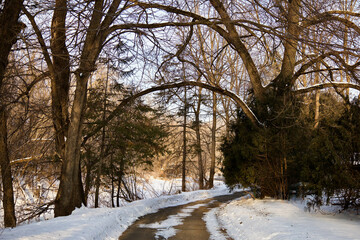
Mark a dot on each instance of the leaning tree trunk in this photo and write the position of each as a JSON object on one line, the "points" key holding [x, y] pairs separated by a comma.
{"points": [[8, 196], [70, 194]]}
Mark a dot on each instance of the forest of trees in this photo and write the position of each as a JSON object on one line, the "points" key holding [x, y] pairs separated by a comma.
{"points": [[93, 92]]}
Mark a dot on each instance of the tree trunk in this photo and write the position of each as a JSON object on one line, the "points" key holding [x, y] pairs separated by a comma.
{"points": [[87, 180], [70, 193], [8, 196], [198, 143], [112, 191], [199, 156], [60, 80], [317, 92], [118, 191], [290, 44], [10, 28], [317, 108], [102, 144], [112, 182], [121, 174], [97, 184], [213, 144], [183, 182]]}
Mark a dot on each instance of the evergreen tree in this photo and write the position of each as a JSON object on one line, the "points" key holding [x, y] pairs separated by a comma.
{"points": [[328, 165], [132, 140], [290, 152]]}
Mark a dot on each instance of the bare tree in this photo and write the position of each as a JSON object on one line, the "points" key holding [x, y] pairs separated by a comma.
{"points": [[101, 16], [10, 28]]}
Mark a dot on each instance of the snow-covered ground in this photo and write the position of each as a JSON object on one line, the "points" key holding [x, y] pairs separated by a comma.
{"points": [[104, 223], [241, 219], [274, 219], [28, 198]]}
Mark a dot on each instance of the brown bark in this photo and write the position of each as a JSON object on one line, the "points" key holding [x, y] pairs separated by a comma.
{"points": [[113, 174], [233, 38], [88, 180], [198, 143], [199, 157], [102, 145], [8, 196], [60, 81], [10, 28], [213, 144], [290, 42], [120, 179], [183, 180], [70, 190], [317, 97], [70, 193]]}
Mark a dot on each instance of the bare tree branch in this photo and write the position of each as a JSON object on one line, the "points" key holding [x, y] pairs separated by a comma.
{"points": [[41, 41], [327, 17], [240, 103], [327, 85]]}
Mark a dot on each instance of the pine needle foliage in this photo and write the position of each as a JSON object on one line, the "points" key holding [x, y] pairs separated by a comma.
{"points": [[289, 153]]}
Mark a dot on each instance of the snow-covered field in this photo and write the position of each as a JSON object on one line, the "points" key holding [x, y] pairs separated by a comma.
{"points": [[242, 219], [274, 219]]}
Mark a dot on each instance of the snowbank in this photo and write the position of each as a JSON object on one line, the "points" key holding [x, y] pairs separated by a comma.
{"points": [[274, 219]]}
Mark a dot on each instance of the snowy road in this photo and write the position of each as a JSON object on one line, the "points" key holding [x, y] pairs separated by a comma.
{"points": [[179, 222]]}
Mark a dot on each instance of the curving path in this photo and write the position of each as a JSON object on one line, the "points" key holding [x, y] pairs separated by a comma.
{"points": [[179, 222]]}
